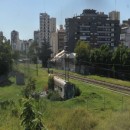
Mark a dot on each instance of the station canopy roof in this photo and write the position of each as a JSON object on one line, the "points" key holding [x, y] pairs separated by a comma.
{"points": [[62, 54]]}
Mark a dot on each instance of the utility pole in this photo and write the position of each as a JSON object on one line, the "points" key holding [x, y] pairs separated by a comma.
{"points": [[65, 48], [36, 52]]}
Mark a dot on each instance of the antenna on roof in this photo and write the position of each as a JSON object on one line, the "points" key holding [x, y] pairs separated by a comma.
{"points": [[44, 5], [115, 5], [61, 16]]}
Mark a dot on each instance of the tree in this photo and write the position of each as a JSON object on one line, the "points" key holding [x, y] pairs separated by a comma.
{"points": [[15, 55], [5, 57], [33, 52], [120, 54], [28, 115], [30, 88], [31, 118], [51, 82], [121, 61], [45, 53], [82, 51]]}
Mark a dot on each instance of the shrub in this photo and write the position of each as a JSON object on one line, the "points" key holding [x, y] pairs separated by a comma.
{"points": [[30, 88], [51, 82], [15, 112], [54, 96], [77, 91]]}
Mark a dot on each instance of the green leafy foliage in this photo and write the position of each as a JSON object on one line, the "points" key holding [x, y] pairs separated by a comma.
{"points": [[51, 82], [31, 118], [54, 96], [77, 91], [104, 60], [5, 58], [33, 52], [82, 51], [44, 53], [30, 88]]}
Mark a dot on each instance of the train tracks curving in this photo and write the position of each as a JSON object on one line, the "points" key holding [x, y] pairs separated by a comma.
{"points": [[115, 87]]}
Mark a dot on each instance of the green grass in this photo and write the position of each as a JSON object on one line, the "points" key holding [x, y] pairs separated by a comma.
{"points": [[101, 78], [92, 110], [10, 92], [110, 80]]}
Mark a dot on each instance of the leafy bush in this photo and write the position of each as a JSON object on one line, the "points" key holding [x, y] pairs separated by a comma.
{"points": [[77, 91], [30, 88], [15, 112], [51, 82], [54, 96]]}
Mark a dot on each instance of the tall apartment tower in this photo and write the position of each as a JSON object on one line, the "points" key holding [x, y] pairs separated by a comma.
{"points": [[1, 35], [61, 38], [93, 27], [53, 37], [52, 24], [37, 36], [15, 40], [114, 15], [44, 28]]}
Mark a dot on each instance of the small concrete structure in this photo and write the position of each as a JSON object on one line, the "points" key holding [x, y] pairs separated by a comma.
{"points": [[65, 89], [59, 60], [20, 79]]}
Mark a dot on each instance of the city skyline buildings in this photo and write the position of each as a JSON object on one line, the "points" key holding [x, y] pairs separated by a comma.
{"points": [[44, 28], [94, 27], [23, 15]]}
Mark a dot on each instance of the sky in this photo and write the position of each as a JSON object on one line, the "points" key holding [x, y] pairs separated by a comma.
{"points": [[23, 15]]}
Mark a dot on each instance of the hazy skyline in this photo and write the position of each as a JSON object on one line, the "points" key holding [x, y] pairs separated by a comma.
{"points": [[23, 15]]}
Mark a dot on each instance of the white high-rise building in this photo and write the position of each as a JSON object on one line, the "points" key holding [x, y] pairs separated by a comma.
{"points": [[125, 36], [52, 25], [48, 32], [37, 36], [53, 37], [54, 43], [44, 28], [15, 40], [114, 15], [61, 38]]}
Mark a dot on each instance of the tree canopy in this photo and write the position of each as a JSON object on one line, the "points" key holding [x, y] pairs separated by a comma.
{"points": [[5, 57], [82, 51], [45, 53], [104, 60]]}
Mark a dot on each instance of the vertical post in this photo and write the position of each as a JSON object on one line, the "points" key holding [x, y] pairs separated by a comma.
{"points": [[68, 67], [122, 102], [104, 102], [37, 67], [87, 104], [48, 66], [65, 65], [65, 61], [36, 52]]}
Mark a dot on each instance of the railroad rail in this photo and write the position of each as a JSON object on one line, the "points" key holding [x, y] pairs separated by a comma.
{"points": [[115, 87]]}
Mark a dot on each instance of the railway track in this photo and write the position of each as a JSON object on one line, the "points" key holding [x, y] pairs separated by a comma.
{"points": [[119, 88]]}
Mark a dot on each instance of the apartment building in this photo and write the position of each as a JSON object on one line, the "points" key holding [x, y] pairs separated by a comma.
{"points": [[94, 27], [114, 15], [61, 38], [125, 36], [15, 40], [44, 28], [37, 37]]}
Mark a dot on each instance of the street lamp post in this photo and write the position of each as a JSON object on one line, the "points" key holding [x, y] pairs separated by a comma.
{"points": [[48, 65], [66, 65], [37, 65], [36, 61]]}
